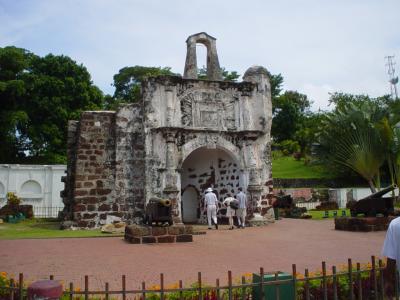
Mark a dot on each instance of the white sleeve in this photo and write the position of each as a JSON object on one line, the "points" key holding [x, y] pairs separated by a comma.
{"points": [[389, 245]]}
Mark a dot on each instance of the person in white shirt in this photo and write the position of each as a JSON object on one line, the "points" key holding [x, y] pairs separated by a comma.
{"points": [[391, 249], [241, 212], [211, 203], [230, 212]]}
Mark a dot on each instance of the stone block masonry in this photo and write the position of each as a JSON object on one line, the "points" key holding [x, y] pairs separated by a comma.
{"points": [[95, 169], [136, 234]]}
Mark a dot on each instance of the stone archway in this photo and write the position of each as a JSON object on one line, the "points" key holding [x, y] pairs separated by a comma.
{"points": [[209, 167]]}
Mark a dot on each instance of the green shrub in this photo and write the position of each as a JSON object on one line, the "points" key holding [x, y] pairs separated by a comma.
{"points": [[288, 147], [13, 200]]}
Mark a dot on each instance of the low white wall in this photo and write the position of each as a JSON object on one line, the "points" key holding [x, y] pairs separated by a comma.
{"points": [[37, 185]]}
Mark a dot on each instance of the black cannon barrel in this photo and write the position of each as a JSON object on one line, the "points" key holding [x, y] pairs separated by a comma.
{"points": [[163, 202], [382, 192]]}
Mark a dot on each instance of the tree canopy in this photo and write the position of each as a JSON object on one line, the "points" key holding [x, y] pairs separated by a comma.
{"points": [[127, 81], [38, 96]]}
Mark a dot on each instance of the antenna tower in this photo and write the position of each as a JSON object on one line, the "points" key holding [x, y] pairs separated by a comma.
{"points": [[393, 80]]}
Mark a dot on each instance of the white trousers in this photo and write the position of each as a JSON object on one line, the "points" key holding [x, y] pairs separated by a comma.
{"points": [[241, 215], [211, 213]]}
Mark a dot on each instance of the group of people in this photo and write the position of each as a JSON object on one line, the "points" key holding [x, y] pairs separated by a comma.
{"points": [[234, 207]]}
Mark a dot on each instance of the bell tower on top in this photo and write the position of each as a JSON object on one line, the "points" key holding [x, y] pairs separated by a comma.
{"points": [[213, 69]]}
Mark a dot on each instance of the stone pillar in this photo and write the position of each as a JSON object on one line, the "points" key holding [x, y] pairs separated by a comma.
{"points": [[191, 61], [170, 106], [254, 192], [45, 289], [171, 190]]}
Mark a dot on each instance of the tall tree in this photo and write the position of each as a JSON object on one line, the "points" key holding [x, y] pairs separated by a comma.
{"points": [[127, 81], [40, 95], [288, 113]]}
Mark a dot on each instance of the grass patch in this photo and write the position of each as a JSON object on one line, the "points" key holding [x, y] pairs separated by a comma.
{"points": [[288, 167], [44, 228], [319, 214]]}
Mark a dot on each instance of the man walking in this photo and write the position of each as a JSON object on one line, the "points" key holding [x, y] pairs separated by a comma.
{"points": [[391, 249], [211, 203], [242, 210]]}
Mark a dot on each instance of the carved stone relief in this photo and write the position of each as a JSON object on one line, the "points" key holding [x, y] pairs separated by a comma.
{"points": [[209, 108]]}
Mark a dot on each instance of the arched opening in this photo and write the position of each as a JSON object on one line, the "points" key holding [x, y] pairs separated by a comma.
{"points": [[201, 55], [31, 192], [2, 193], [204, 168], [31, 187], [190, 205]]}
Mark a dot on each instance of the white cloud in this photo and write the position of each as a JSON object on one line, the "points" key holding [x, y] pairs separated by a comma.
{"points": [[318, 46]]}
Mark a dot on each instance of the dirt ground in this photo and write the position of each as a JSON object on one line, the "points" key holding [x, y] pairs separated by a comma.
{"points": [[274, 247]]}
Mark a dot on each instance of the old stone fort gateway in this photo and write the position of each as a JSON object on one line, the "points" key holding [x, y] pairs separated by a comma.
{"points": [[183, 136]]}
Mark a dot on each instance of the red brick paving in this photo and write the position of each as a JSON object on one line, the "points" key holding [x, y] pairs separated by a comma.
{"points": [[274, 247]]}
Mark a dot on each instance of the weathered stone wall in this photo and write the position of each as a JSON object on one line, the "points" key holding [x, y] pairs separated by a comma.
{"points": [[95, 169], [183, 115], [130, 162]]}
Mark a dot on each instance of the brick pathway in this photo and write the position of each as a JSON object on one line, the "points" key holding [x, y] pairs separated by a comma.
{"points": [[274, 247]]}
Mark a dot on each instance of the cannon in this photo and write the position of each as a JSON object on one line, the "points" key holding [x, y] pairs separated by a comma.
{"points": [[158, 211], [283, 201], [375, 204]]}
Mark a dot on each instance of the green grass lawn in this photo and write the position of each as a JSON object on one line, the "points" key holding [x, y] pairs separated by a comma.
{"points": [[44, 228], [288, 167], [319, 214]]}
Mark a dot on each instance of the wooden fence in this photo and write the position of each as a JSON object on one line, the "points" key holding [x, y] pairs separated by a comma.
{"points": [[354, 283]]}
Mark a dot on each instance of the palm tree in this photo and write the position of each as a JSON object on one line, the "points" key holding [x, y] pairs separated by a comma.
{"points": [[353, 140]]}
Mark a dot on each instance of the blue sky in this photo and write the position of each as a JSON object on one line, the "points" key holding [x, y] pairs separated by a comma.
{"points": [[318, 46]]}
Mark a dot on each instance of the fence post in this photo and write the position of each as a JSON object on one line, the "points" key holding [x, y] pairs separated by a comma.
{"points": [[374, 277], [71, 291], [324, 280], [307, 284], [277, 290], [262, 283], [217, 286], [144, 290], [123, 287], [334, 278], [180, 290], [12, 287], [359, 281], [21, 285], [107, 289], [381, 279], [294, 275], [162, 286], [44, 289], [243, 288], [350, 268], [199, 283], [86, 287], [229, 285]]}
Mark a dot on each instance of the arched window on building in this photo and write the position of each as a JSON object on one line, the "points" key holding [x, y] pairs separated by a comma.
{"points": [[31, 191]]}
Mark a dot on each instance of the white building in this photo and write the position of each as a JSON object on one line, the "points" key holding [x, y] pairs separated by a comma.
{"points": [[37, 185]]}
